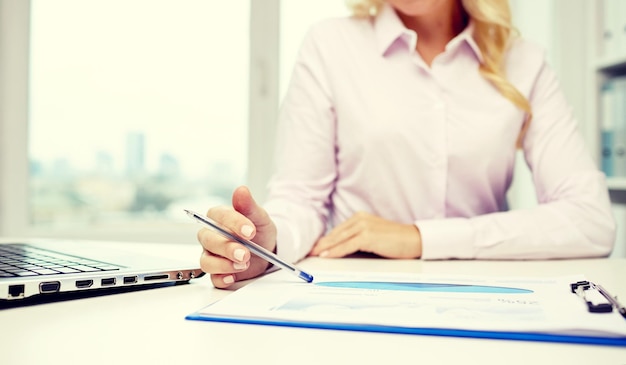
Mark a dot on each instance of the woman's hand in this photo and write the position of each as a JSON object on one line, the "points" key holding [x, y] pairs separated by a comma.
{"points": [[368, 233], [229, 261]]}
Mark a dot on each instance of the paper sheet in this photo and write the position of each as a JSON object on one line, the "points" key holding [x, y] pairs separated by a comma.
{"points": [[476, 303]]}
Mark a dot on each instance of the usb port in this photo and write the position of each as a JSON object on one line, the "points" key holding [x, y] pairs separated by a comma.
{"points": [[82, 284], [130, 279], [107, 282]]}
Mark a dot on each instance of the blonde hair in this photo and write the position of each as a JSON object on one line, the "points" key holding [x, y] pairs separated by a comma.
{"points": [[493, 32]]}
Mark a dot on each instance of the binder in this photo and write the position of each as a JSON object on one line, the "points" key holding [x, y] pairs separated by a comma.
{"points": [[613, 127], [520, 309], [607, 132], [619, 126], [619, 153]]}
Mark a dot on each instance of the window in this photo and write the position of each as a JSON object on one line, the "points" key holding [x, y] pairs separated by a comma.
{"points": [[137, 110], [117, 114]]}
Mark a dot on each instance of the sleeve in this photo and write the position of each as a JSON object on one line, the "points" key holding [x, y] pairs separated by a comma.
{"points": [[305, 167], [573, 218]]}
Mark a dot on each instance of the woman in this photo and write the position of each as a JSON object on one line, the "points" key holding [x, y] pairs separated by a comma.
{"points": [[398, 137]]}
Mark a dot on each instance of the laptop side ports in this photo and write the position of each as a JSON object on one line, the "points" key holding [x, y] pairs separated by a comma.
{"points": [[107, 282], [49, 287], [16, 291], [83, 284]]}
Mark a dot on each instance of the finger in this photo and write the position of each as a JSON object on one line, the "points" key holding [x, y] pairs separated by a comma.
{"points": [[244, 203], [232, 220], [343, 249], [263, 230], [255, 267], [345, 229], [222, 281], [340, 234], [218, 245], [213, 264]]}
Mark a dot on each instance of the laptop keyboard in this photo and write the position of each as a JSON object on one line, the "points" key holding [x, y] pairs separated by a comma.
{"points": [[25, 260]]}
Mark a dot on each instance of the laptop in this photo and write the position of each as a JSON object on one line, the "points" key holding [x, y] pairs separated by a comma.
{"points": [[49, 268]]}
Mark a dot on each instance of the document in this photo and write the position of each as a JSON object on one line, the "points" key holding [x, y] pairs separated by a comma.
{"points": [[470, 306]]}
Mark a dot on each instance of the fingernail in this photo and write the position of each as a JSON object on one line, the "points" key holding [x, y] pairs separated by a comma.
{"points": [[324, 253], [246, 230], [240, 265], [239, 254], [228, 279]]}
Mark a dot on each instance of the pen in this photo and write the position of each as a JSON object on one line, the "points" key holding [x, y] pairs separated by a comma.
{"points": [[253, 247]]}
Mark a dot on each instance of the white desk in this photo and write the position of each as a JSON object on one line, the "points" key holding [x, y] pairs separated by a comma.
{"points": [[148, 327]]}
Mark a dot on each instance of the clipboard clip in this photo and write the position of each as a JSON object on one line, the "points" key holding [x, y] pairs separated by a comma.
{"points": [[597, 298]]}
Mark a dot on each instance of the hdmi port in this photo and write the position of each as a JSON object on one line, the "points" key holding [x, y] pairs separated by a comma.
{"points": [[82, 284]]}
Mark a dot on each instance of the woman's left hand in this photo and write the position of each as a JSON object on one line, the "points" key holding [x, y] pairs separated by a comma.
{"points": [[368, 233]]}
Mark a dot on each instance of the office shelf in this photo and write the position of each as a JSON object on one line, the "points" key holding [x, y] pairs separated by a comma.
{"points": [[611, 65], [607, 57], [616, 183]]}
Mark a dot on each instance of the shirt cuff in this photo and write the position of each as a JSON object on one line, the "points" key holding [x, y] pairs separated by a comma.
{"points": [[450, 238]]}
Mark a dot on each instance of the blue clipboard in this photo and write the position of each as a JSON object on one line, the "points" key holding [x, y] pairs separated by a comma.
{"points": [[492, 335], [585, 290]]}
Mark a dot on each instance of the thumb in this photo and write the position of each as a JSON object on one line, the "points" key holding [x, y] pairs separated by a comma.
{"points": [[265, 234], [244, 203]]}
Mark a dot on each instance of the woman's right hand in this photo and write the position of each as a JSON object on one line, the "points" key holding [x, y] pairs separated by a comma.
{"points": [[228, 261]]}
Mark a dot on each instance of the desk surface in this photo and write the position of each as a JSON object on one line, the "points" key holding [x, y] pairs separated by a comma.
{"points": [[148, 326]]}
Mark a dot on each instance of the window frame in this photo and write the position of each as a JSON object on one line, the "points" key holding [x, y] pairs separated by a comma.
{"points": [[14, 161], [14, 61]]}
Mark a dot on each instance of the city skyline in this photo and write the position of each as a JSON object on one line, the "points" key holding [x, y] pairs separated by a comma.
{"points": [[131, 163]]}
